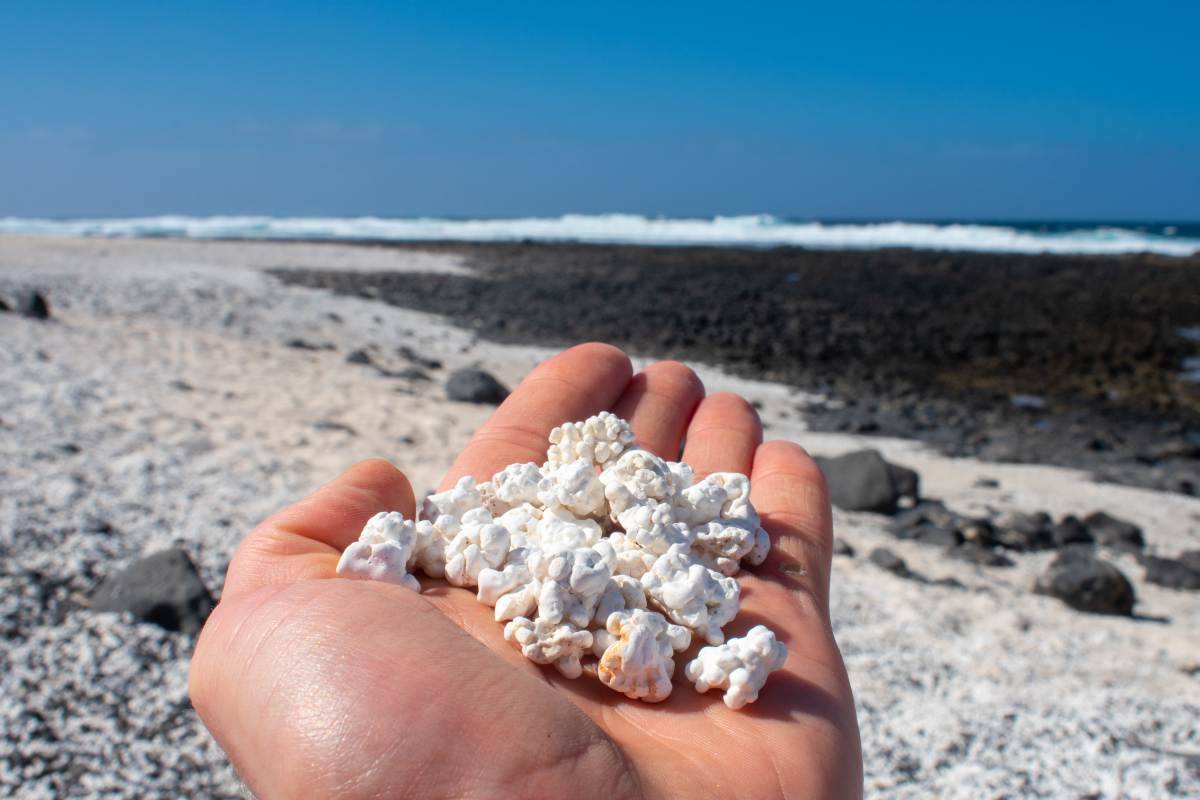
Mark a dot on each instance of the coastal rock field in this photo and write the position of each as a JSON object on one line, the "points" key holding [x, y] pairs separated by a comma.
{"points": [[177, 392]]}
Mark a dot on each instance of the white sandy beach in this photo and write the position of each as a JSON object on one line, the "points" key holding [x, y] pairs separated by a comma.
{"points": [[164, 400]]}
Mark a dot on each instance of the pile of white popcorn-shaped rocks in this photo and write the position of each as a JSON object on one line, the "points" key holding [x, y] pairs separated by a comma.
{"points": [[606, 550]]}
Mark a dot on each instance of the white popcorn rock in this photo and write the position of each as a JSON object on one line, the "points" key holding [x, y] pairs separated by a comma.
{"points": [[521, 523], [559, 529], [455, 501], [638, 477], [740, 666], [722, 546], [382, 551], [515, 485], [721, 495], [545, 642], [570, 584], [576, 487], [622, 593], [638, 659], [653, 527], [479, 544], [624, 556], [682, 475], [512, 590], [762, 547], [691, 594], [597, 439]]}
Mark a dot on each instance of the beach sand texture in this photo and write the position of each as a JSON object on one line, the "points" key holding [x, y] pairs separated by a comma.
{"points": [[168, 402]]}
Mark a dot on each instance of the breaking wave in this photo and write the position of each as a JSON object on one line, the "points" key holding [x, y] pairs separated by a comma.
{"points": [[744, 231]]}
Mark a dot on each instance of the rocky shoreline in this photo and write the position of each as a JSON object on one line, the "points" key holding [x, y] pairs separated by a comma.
{"points": [[1067, 360]]}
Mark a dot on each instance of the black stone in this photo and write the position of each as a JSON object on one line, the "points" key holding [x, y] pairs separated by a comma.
{"points": [[887, 560], [410, 355], [864, 481], [332, 425], [1171, 573], [406, 374], [4, 306], [1020, 531], [34, 306], [1086, 583], [933, 535], [475, 386], [987, 483], [976, 554], [359, 356], [163, 588], [1114, 532], [843, 548], [1069, 531], [304, 344]]}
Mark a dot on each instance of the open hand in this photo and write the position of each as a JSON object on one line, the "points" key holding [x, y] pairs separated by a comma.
{"points": [[322, 687]]}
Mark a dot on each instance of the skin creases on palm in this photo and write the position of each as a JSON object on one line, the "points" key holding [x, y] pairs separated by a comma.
{"points": [[319, 687]]}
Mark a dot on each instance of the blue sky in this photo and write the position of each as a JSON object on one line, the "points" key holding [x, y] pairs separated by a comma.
{"points": [[1013, 110]]}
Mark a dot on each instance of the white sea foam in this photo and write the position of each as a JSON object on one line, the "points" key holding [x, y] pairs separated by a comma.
{"points": [[748, 231]]}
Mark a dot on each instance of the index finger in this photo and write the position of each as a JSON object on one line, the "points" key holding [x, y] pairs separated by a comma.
{"points": [[573, 385]]}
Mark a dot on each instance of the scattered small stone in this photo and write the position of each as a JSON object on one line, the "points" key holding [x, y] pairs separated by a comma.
{"points": [[475, 386], [406, 374], [334, 316], [411, 356], [1086, 583], [1114, 532], [333, 425], [974, 553], [34, 306], [182, 386], [304, 344], [4, 306], [359, 356], [1171, 573], [843, 548], [1070, 530], [1017, 530], [986, 483], [864, 481], [1191, 558], [163, 588], [888, 561]]}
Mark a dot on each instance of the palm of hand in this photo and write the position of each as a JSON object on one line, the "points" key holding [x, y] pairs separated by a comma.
{"points": [[319, 687]]}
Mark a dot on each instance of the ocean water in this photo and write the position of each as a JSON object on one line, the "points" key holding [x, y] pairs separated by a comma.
{"points": [[1164, 238]]}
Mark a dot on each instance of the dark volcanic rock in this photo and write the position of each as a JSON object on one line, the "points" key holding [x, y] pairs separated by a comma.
{"points": [[304, 344], [1191, 558], [34, 306], [411, 356], [1171, 573], [977, 554], [933, 535], [359, 356], [4, 306], [863, 481], [1070, 530], [887, 560], [163, 588], [475, 386], [843, 548], [1114, 532], [1017, 530], [1086, 583], [406, 374]]}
